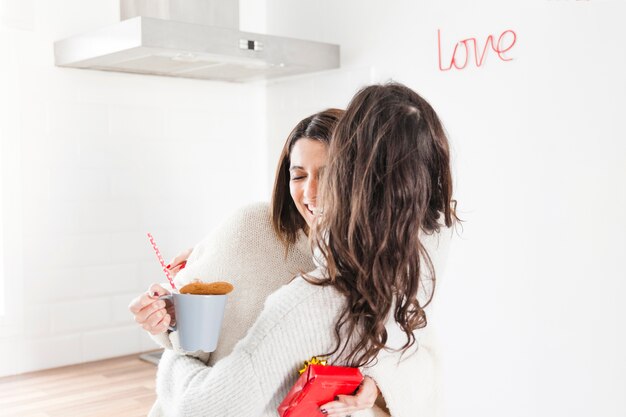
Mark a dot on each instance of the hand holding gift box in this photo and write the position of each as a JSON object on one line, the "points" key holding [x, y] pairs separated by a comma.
{"points": [[318, 384]]}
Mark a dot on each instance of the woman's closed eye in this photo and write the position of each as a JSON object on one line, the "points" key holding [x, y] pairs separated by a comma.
{"points": [[296, 175]]}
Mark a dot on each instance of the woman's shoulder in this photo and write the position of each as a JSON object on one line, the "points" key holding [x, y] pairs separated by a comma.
{"points": [[303, 293], [246, 228], [250, 216], [249, 232], [294, 306]]}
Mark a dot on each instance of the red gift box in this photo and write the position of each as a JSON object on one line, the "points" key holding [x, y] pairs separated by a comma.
{"points": [[317, 386]]}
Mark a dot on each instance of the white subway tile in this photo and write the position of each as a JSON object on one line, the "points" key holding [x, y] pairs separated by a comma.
{"points": [[47, 250], [78, 217], [186, 125], [105, 216], [156, 178], [54, 284], [18, 14], [54, 18], [43, 216], [146, 343], [129, 247], [170, 242], [50, 250], [36, 183], [33, 127], [12, 354], [119, 306], [110, 343], [83, 118], [155, 213], [88, 249], [150, 273], [50, 352], [88, 313], [96, 150], [136, 123], [37, 320], [79, 184], [57, 150], [109, 279], [125, 184]]}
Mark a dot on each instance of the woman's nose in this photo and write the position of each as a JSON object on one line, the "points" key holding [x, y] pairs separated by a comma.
{"points": [[310, 189]]}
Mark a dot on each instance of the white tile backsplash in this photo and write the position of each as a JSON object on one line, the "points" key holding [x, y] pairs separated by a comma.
{"points": [[37, 320], [119, 308], [85, 118], [150, 272], [102, 158], [79, 184], [50, 352], [63, 250], [18, 14], [97, 150], [52, 284], [106, 216], [136, 122], [100, 344], [83, 314], [97, 159], [147, 343], [109, 279]]}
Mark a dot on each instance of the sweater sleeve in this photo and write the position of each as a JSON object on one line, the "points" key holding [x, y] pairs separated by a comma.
{"points": [[161, 339], [187, 387], [255, 377], [409, 384]]}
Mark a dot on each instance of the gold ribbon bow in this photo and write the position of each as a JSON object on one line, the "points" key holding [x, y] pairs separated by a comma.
{"points": [[314, 361]]}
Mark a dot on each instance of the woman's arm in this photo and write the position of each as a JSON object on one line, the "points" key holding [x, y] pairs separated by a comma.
{"points": [[410, 383], [293, 326], [187, 387]]}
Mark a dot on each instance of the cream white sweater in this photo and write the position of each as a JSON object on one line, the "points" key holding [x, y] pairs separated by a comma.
{"points": [[295, 324], [244, 251]]}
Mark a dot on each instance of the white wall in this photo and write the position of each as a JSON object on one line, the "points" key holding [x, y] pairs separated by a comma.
{"points": [[529, 309], [91, 161]]}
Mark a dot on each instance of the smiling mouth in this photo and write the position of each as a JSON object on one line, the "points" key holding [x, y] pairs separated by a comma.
{"points": [[310, 209]]}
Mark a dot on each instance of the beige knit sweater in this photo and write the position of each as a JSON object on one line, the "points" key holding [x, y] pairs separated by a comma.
{"points": [[251, 378], [244, 251]]}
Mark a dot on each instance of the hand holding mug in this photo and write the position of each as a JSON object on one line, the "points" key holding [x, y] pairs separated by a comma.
{"points": [[153, 314]]}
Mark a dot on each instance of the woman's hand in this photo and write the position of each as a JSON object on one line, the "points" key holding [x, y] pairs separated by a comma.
{"points": [[179, 262], [154, 315], [344, 405]]}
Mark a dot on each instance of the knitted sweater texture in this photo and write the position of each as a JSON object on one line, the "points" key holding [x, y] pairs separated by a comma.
{"points": [[244, 251], [296, 322]]}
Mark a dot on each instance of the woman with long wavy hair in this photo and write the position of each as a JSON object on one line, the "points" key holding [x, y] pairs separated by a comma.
{"points": [[388, 183], [386, 189]]}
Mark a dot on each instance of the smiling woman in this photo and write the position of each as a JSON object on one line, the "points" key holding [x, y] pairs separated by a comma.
{"points": [[308, 158], [300, 164]]}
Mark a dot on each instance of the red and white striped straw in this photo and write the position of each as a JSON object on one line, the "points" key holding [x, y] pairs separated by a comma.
{"points": [[161, 261]]}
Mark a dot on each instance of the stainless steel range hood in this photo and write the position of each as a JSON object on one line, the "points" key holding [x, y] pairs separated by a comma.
{"points": [[192, 39]]}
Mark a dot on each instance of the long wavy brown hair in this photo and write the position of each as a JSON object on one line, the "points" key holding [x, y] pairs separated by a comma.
{"points": [[387, 182], [286, 220]]}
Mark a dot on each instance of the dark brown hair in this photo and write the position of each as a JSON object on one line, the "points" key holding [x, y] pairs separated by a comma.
{"points": [[286, 219], [387, 181]]}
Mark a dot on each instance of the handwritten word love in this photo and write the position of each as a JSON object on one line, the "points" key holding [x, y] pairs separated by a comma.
{"points": [[462, 49]]}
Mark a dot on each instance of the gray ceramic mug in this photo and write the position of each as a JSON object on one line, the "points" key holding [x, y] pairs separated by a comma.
{"points": [[198, 320]]}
